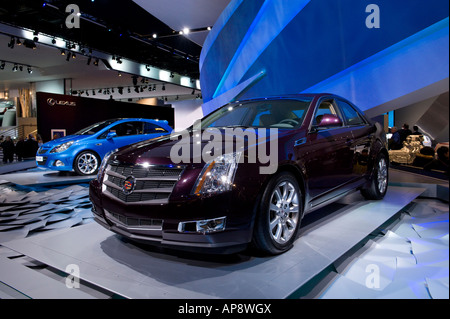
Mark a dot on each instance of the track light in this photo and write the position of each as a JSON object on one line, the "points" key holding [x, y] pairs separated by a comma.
{"points": [[147, 67], [15, 68], [30, 70], [96, 62], [63, 52], [68, 56], [18, 42], [2, 65], [163, 87]]}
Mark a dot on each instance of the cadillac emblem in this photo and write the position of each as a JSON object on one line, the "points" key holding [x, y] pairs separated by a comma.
{"points": [[128, 185]]}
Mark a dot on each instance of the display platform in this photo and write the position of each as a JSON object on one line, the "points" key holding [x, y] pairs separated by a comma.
{"points": [[42, 177], [109, 262]]}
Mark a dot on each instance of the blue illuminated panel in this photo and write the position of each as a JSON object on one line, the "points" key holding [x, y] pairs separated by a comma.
{"points": [[305, 45]]}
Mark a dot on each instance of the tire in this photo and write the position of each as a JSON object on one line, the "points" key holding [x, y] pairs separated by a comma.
{"points": [[278, 215], [86, 163], [378, 182]]}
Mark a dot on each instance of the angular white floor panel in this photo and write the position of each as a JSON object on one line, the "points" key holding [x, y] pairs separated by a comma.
{"points": [[107, 261]]}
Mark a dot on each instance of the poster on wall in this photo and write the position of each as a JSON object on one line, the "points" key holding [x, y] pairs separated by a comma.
{"points": [[57, 133], [66, 114]]}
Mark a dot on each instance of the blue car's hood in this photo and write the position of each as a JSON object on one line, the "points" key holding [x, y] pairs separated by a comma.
{"points": [[59, 141]]}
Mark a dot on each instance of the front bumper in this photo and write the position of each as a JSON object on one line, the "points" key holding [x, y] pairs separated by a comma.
{"points": [[160, 224], [50, 160]]}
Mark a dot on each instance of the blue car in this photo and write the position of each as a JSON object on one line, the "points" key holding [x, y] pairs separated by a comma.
{"points": [[84, 151]]}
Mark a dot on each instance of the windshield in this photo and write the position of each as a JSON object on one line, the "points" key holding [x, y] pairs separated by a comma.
{"points": [[286, 114], [94, 128]]}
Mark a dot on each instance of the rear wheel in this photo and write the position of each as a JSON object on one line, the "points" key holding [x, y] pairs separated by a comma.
{"points": [[86, 163], [378, 183], [279, 215]]}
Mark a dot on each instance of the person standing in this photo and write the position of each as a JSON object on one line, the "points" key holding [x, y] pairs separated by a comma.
{"points": [[30, 147], [404, 133], [8, 150]]}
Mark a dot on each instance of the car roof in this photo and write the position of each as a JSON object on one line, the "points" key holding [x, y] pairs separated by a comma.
{"points": [[288, 96]]}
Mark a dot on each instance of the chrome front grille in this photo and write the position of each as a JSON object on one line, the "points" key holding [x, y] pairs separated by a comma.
{"points": [[152, 184]]}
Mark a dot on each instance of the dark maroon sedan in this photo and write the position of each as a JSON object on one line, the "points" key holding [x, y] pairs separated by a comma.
{"points": [[244, 175]]}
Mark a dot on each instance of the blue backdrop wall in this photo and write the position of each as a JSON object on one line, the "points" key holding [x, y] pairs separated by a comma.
{"points": [[370, 52]]}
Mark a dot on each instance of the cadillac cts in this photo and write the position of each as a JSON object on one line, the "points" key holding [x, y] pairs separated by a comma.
{"points": [[223, 203]]}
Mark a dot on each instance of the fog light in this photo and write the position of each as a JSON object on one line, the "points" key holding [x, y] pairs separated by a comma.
{"points": [[203, 226], [58, 163]]}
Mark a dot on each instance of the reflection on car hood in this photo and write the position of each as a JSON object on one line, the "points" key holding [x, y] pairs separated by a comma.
{"points": [[157, 151], [65, 139]]}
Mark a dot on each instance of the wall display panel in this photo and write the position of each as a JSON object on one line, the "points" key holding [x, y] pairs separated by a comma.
{"points": [[317, 45], [71, 113]]}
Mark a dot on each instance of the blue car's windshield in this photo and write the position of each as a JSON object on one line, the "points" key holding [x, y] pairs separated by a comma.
{"points": [[94, 128]]}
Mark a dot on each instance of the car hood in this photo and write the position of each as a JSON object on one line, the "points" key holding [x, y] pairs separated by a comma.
{"points": [[59, 141], [157, 151]]}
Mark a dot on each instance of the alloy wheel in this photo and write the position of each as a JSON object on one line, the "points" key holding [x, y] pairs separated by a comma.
{"points": [[87, 163], [284, 212]]}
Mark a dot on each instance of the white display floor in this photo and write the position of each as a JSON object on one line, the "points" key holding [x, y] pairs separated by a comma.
{"points": [[110, 264]]}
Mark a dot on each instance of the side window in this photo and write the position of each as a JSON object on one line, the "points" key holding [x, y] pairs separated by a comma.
{"points": [[351, 115], [127, 128], [150, 128], [325, 107]]}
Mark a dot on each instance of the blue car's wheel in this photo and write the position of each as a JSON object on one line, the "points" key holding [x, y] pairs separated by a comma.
{"points": [[86, 163]]}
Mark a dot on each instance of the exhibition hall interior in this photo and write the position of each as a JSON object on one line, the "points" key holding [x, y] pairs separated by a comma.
{"points": [[98, 200]]}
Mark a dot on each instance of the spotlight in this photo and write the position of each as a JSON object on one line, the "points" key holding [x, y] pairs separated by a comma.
{"points": [[53, 41], [120, 89], [93, 92], [134, 80], [147, 67], [119, 74], [15, 68], [63, 52], [30, 70], [74, 56], [193, 92], [96, 62], [89, 60], [119, 60], [172, 75], [68, 56], [154, 35], [2, 65], [163, 87], [20, 68], [18, 42]]}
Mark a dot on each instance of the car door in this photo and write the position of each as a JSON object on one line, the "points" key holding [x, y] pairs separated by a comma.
{"points": [[362, 133], [326, 154], [126, 133]]}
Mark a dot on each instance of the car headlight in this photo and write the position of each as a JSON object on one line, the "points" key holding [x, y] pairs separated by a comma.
{"points": [[218, 175], [105, 163], [62, 147]]}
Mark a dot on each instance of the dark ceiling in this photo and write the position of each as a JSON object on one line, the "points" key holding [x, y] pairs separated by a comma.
{"points": [[118, 27]]}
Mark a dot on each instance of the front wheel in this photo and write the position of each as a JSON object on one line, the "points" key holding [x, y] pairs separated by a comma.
{"points": [[279, 215], [378, 182], [86, 163]]}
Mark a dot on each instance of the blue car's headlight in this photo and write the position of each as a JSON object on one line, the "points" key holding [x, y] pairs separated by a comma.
{"points": [[62, 147]]}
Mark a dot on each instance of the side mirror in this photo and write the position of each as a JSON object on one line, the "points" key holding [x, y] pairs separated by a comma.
{"points": [[330, 120], [111, 135]]}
